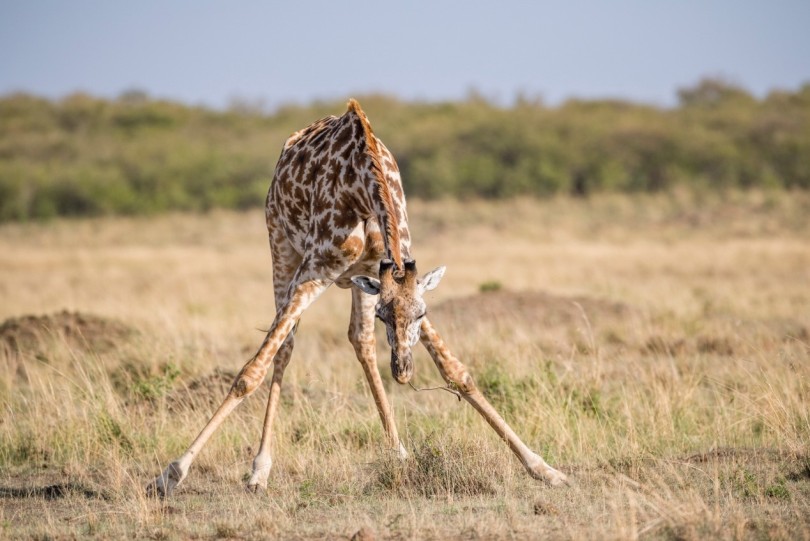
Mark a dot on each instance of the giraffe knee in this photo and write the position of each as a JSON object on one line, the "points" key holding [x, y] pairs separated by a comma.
{"points": [[247, 381], [465, 382], [365, 345], [460, 377], [241, 387]]}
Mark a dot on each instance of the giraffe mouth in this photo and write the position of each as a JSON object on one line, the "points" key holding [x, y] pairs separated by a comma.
{"points": [[402, 366]]}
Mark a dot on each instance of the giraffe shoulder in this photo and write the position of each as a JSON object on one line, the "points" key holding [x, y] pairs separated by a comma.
{"points": [[310, 131]]}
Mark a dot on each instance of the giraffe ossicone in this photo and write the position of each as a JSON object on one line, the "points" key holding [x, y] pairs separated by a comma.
{"points": [[336, 214]]}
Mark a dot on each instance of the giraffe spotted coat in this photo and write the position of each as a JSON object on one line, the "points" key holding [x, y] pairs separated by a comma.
{"points": [[336, 215]]}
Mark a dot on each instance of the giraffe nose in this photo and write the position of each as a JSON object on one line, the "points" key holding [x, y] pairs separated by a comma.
{"points": [[402, 365]]}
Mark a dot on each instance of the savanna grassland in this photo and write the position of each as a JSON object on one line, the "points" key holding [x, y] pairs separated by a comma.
{"points": [[656, 348]]}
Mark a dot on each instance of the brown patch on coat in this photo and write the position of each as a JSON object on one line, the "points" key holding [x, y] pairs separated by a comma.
{"points": [[352, 248]]}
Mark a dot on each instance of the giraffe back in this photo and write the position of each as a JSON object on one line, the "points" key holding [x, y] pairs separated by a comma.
{"points": [[327, 199]]}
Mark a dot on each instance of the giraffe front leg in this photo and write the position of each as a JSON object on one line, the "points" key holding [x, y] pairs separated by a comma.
{"points": [[361, 335], [175, 472], [455, 373], [246, 382]]}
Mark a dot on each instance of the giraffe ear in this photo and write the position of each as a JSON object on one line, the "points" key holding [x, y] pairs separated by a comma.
{"points": [[367, 284], [431, 280]]}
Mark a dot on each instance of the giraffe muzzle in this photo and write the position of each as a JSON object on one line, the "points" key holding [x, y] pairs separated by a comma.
{"points": [[402, 366]]}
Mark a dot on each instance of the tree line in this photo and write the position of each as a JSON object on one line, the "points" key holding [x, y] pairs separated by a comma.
{"points": [[84, 155]]}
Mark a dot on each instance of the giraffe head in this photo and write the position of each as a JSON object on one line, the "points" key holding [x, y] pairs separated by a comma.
{"points": [[401, 308]]}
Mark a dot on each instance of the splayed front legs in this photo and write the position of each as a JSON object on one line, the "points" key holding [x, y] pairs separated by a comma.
{"points": [[455, 373], [275, 347]]}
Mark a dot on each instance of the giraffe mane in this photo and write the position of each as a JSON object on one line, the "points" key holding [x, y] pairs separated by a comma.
{"points": [[391, 227]]}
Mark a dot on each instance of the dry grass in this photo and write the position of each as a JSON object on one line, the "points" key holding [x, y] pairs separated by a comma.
{"points": [[656, 348]]}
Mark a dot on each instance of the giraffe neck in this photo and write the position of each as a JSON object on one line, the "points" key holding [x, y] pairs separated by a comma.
{"points": [[394, 229], [389, 213]]}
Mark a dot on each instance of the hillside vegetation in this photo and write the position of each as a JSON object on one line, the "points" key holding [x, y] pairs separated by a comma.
{"points": [[84, 155]]}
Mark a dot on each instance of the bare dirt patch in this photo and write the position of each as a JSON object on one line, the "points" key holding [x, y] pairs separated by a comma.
{"points": [[52, 339], [537, 307], [51, 492], [86, 332]]}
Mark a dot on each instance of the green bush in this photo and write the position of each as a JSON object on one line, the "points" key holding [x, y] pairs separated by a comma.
{"points": [[84, 156]]}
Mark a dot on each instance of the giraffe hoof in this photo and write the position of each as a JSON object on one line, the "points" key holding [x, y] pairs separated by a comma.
{"points": [[261, 472], [255, 488], [402, 454], [165, 483], [557, 479], [546, 473], [160, 488]]}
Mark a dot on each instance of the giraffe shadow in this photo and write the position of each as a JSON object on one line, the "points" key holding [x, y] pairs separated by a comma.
{"points": [[52, 492]]}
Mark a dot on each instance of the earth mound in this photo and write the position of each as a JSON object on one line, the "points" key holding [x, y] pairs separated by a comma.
{"points": [[536, 307], [34, 334]]}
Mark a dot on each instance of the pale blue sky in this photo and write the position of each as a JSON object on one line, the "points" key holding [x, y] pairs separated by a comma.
{"points": [[208, 52]]}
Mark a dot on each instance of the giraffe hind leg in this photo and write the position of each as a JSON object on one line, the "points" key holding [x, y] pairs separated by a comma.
{"points": [[263, 461], [285, 261]]}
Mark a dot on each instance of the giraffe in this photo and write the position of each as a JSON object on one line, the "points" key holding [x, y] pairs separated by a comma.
{"points": [[335, 214]]}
